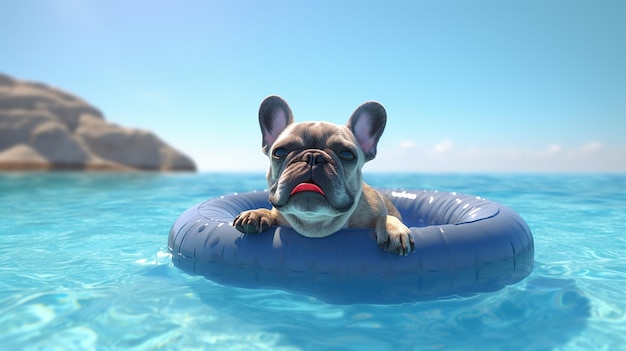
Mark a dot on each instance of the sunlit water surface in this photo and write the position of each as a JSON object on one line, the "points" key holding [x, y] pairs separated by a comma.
{"points": [[84, 266]]}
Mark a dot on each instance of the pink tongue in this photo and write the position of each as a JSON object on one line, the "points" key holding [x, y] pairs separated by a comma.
{"points": [[307, 187]]}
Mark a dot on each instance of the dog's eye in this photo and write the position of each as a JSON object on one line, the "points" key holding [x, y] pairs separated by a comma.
{"points": [[347, 155], [280, 153]]}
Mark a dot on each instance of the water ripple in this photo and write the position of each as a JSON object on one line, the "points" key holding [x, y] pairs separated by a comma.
{"points": [[84, 266]]}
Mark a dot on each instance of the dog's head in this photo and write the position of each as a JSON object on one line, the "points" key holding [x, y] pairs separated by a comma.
{"points": [[315, 177]]}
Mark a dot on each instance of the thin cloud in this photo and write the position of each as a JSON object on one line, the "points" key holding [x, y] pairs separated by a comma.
{"points": [[443, 147], [447, 156], [554, 149], [407, 145], [591, 147]]}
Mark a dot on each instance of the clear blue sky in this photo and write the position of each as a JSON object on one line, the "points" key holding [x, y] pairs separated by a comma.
{"points": [[469, 86]]}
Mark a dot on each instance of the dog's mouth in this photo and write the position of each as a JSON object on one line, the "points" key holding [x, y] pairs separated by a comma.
{"points": [[302, 187]]}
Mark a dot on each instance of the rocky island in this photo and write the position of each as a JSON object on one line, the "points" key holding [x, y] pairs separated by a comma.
{"points": [[45, 128]]}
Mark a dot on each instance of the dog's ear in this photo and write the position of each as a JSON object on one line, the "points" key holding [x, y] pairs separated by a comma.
{"points": [[274, 116], [367, 124]]}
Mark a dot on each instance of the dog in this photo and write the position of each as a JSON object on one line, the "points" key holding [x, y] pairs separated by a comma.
{"points": [[314, 181]]}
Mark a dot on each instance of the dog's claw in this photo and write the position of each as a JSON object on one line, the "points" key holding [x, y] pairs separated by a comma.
{"points": [[396, 237], [403, 248], [253, 222]]}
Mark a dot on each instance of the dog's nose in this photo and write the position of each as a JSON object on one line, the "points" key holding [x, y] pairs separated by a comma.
{"points": [[313, 158]]}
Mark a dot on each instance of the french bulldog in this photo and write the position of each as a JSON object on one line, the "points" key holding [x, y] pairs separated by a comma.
{"points": [[315, 182]]}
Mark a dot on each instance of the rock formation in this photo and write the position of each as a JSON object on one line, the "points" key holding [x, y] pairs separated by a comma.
{"points": [[44, 128]]}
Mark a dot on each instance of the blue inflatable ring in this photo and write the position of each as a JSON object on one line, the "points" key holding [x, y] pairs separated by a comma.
{"points": [[463, 245]]}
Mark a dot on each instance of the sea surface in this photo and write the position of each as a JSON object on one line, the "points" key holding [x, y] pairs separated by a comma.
{"points": [[84, 266]]}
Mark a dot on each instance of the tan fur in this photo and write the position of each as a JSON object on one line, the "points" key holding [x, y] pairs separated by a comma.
{"points": [[315, 152], [372, 211]]}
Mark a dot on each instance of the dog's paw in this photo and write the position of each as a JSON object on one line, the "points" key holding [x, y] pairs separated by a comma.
{"points": [[254, 221], [395, 237]]}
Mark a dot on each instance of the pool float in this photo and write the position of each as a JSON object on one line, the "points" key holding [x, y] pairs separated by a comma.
{"points": [[464, 245]]}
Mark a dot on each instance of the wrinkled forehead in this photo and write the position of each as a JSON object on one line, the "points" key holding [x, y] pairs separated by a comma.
{"points": [[318, 134]]}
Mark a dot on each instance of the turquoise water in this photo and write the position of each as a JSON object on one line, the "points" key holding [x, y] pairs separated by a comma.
{"points": [[84, 266]]}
